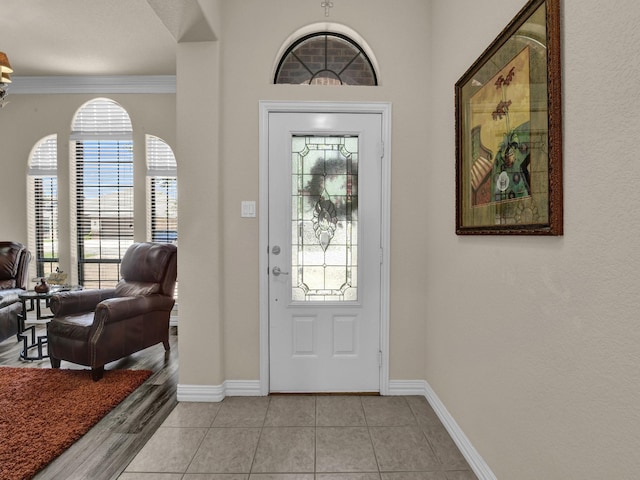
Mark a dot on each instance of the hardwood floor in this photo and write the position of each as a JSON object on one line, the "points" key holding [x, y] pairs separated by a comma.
{"points": [[105, 451]]}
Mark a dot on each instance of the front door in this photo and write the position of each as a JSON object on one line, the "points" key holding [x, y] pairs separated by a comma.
{"points": [[324, 251]]}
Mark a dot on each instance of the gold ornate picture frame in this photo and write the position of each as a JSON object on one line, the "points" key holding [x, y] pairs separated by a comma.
{"points": [[509, 130]]}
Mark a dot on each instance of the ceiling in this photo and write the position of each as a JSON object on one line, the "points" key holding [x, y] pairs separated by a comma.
{"points": [[94, 37]]}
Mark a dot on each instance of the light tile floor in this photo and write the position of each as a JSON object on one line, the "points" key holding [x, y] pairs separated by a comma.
{"points": [[294, 437]]}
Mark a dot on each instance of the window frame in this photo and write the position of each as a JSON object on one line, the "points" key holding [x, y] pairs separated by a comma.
{"points": [[326, 34]]}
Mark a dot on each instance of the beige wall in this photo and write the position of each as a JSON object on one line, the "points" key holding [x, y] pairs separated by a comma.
{"points": [[200, 190], [533, 344], [249, 44]]}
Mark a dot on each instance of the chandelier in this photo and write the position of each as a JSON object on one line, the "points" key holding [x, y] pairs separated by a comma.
{"points": [[5, 78]]}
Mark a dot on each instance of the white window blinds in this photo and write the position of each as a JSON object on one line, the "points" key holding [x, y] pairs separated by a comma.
{"points": [[162, 193], [42, 186], [103, 147], [162, 188], [101, 117]]}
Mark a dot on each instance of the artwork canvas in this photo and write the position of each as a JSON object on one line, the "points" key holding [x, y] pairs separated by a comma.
{"points": [[508, 131]]}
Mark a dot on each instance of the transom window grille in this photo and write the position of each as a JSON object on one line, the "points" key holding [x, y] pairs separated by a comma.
{"points": [[325, 59], [103, 146], [324, 218], [42, 188]]}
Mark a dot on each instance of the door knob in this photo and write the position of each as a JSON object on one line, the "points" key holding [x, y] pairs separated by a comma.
{"points": [[276, 271]]}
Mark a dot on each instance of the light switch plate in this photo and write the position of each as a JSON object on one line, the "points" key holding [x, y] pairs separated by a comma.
{"points": [[248, 209]]}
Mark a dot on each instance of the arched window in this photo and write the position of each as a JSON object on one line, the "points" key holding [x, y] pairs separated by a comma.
{"points": [[42, 194], [162, 192], [325, 59], [102, 170]]}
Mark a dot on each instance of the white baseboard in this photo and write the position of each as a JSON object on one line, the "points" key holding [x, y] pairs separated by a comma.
{"points": [[407, 387], [200, 393], [242, 388], [471, 455], [216, 393], [237, 388]]}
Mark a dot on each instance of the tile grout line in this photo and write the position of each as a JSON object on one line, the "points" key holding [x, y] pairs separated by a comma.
{"points": [[315, 435], [195, 452], [255, 452], [375, 455]]}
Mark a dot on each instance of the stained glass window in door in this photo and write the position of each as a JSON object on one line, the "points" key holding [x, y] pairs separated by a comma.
{"points": [[324, 228]]}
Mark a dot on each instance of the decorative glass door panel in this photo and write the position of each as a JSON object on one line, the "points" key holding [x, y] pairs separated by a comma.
{"points": [[324, 221]]}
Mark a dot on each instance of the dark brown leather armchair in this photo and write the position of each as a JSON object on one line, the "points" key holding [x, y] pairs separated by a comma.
{"points": [[95, 327], [14, 274]]}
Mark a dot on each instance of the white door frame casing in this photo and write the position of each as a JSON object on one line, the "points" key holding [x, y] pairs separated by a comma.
{"points": [[382, 108]]}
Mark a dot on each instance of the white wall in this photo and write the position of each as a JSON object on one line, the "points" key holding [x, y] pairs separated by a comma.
{"points": [[533, 344]]}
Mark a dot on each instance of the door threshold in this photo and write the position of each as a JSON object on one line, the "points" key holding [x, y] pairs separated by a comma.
{"points": [[326, 394]]}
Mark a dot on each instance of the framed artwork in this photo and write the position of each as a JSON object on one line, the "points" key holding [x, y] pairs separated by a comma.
{"points": [[509, 130]]}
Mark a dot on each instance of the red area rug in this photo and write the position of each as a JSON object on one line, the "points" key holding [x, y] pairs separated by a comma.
{"points": [[44, 411]]}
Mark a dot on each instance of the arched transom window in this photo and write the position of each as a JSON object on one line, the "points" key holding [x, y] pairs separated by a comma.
{"points": [[325, 59]]}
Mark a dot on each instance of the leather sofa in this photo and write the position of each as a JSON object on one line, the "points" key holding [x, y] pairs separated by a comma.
{"points": [[14, 274], [95, 327]]}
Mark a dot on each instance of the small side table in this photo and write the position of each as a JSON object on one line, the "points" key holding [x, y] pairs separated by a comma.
{"points": [[28, 334], [34, 299]]}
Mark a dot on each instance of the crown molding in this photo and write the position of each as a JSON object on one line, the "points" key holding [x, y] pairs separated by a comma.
{"points": [[93, 84]]}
